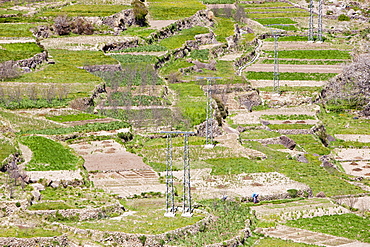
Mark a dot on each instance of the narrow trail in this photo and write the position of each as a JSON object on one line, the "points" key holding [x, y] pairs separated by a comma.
{"points": [[230, 140]]}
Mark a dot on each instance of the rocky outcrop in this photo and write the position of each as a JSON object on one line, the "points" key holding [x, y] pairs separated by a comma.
{"points": [[202, 129], [120, 21], [116, 46], [250, 99]]}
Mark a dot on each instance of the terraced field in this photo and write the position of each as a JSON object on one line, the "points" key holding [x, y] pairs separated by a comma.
{"points": [[81, 130]]}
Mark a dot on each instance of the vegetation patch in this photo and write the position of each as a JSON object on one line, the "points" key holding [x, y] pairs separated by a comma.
{"points": [[290, 126], [344, 123], [177, 41], [26, 232], [312, 54], [274, 10], [18, 51], [16, 30], [173, 10], [307, 62], [73, 117], [91, 127], [85, 10], [346, 225], [48, 155], [146, 219], [258, 134], [231, 218], [288, 117], [316, 177], [66, 70], [223, 29], [146, 48], [276, 15], [288, 76], [192, 107], [266, 5], [23, 123], [7, 148], [225, 166]]}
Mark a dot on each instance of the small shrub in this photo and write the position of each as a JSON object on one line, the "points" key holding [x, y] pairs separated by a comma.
{"points": [[142, 239], [126, 136], [343, 17], [62, 25], [293, 193], [18, 204], [140, 12]]}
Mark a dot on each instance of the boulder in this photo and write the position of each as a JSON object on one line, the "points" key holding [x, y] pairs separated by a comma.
{"points": [[216, 130], [287, 142], [320, 194], [302, 159], [38, 186], [36, 195], [250, 99]]}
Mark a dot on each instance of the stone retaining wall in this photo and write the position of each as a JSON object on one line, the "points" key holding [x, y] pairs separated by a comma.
{"points": [[11, 206], [83, 214], [139, 240], [32, 242], [32, 62]]}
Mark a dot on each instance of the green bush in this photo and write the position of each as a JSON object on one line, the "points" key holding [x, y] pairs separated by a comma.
{"points": [[343, 17], [126, 136]]}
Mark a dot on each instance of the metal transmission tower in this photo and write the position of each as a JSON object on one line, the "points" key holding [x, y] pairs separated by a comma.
{"points": [[319, 29], [170, 193], [209, 111], [310, 25], [276, 62], [187, 209]]}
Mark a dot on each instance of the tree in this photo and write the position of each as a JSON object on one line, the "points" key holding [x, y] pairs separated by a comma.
{"points": [[62, 25], [352, 87], [140, 12]]}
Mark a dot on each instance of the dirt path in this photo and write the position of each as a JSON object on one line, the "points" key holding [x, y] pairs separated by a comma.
{"points": [[296, 68], [352, 137]]}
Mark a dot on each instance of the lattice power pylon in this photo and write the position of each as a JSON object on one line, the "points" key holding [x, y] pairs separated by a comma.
{"points": [[276, 62], [187, 208], [209, 111], [310, 24], [170, 192], [319, 29]]}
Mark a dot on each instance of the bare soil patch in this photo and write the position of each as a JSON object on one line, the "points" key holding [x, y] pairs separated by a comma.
{"points": [[359, 168], [349, 137], [112, 157]]}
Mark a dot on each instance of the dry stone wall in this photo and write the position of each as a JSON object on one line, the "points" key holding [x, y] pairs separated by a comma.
{"points": [[32, 242], [83, 214], [139, 240]]}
